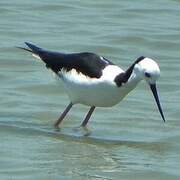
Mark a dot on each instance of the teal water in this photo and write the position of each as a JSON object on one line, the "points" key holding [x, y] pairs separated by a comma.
{"points": [[127, 141]]}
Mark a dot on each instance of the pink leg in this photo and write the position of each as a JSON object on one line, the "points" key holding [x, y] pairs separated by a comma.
{"points": [[84, 123], [56, 124]]}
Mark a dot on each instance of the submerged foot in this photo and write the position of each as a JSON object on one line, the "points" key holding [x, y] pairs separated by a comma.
{"points": [[56, 127], [84, 129]]}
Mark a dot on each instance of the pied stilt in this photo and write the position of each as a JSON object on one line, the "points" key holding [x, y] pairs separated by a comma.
{"points": [[92, 80]]}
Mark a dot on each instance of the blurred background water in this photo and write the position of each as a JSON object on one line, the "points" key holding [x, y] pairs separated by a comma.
{"points": [[128, 141]]}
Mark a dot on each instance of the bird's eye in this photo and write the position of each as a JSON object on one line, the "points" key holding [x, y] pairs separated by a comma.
{"points": [[148, 75]]}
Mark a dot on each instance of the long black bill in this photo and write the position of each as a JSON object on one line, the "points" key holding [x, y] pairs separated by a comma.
{"points": [[154, 91]]}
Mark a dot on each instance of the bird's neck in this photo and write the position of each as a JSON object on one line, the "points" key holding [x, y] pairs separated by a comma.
{"points": [[134, 79], [134, 76]]}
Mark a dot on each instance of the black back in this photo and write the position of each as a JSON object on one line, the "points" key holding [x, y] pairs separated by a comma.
{"points": [[89, 64]]}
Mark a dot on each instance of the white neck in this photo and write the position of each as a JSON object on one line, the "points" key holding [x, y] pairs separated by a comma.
{"points": [[134, 79]]}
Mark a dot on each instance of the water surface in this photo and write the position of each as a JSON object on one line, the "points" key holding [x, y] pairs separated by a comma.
{"points": [[128, 141]]}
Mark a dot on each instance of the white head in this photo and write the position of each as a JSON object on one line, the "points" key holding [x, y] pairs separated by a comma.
{"points": [[147, 69]]}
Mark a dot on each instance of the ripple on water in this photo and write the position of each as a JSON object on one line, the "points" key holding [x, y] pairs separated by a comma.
{"points": [[127, 141]]}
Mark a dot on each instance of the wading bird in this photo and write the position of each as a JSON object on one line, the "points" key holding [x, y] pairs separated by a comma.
{"points": [[94, 81]]}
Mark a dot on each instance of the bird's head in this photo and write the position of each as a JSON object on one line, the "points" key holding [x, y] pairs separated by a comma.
{"points": [[149, 70]]}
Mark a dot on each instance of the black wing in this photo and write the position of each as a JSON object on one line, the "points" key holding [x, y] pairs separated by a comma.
{"points": [[89, 64]]}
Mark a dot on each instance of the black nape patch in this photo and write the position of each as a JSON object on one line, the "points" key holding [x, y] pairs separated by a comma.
{"points": [[139, 59], [123, 77], [120, 79]]}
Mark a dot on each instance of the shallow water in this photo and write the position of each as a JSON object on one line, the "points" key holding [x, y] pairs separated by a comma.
{"points": [[128, 141]]}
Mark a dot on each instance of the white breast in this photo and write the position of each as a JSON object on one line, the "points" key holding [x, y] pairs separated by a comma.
{"points": [[101, 92]]}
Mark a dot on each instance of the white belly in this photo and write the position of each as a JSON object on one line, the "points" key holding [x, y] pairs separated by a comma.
{"points": [[101, 92], [102, 95]]}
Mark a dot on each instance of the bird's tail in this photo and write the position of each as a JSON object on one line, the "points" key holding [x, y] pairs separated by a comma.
{"points": [[35, 50], [53, 60], [26, 49]]}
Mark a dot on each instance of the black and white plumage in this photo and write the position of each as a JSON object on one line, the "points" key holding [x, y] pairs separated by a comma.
{"points": [[94, 81]]}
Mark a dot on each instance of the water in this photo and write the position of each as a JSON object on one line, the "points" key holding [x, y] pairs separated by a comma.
{"points": [[128, 141]]}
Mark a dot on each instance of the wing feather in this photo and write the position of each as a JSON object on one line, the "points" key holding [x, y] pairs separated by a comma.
{"points": [[87, 63]]}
